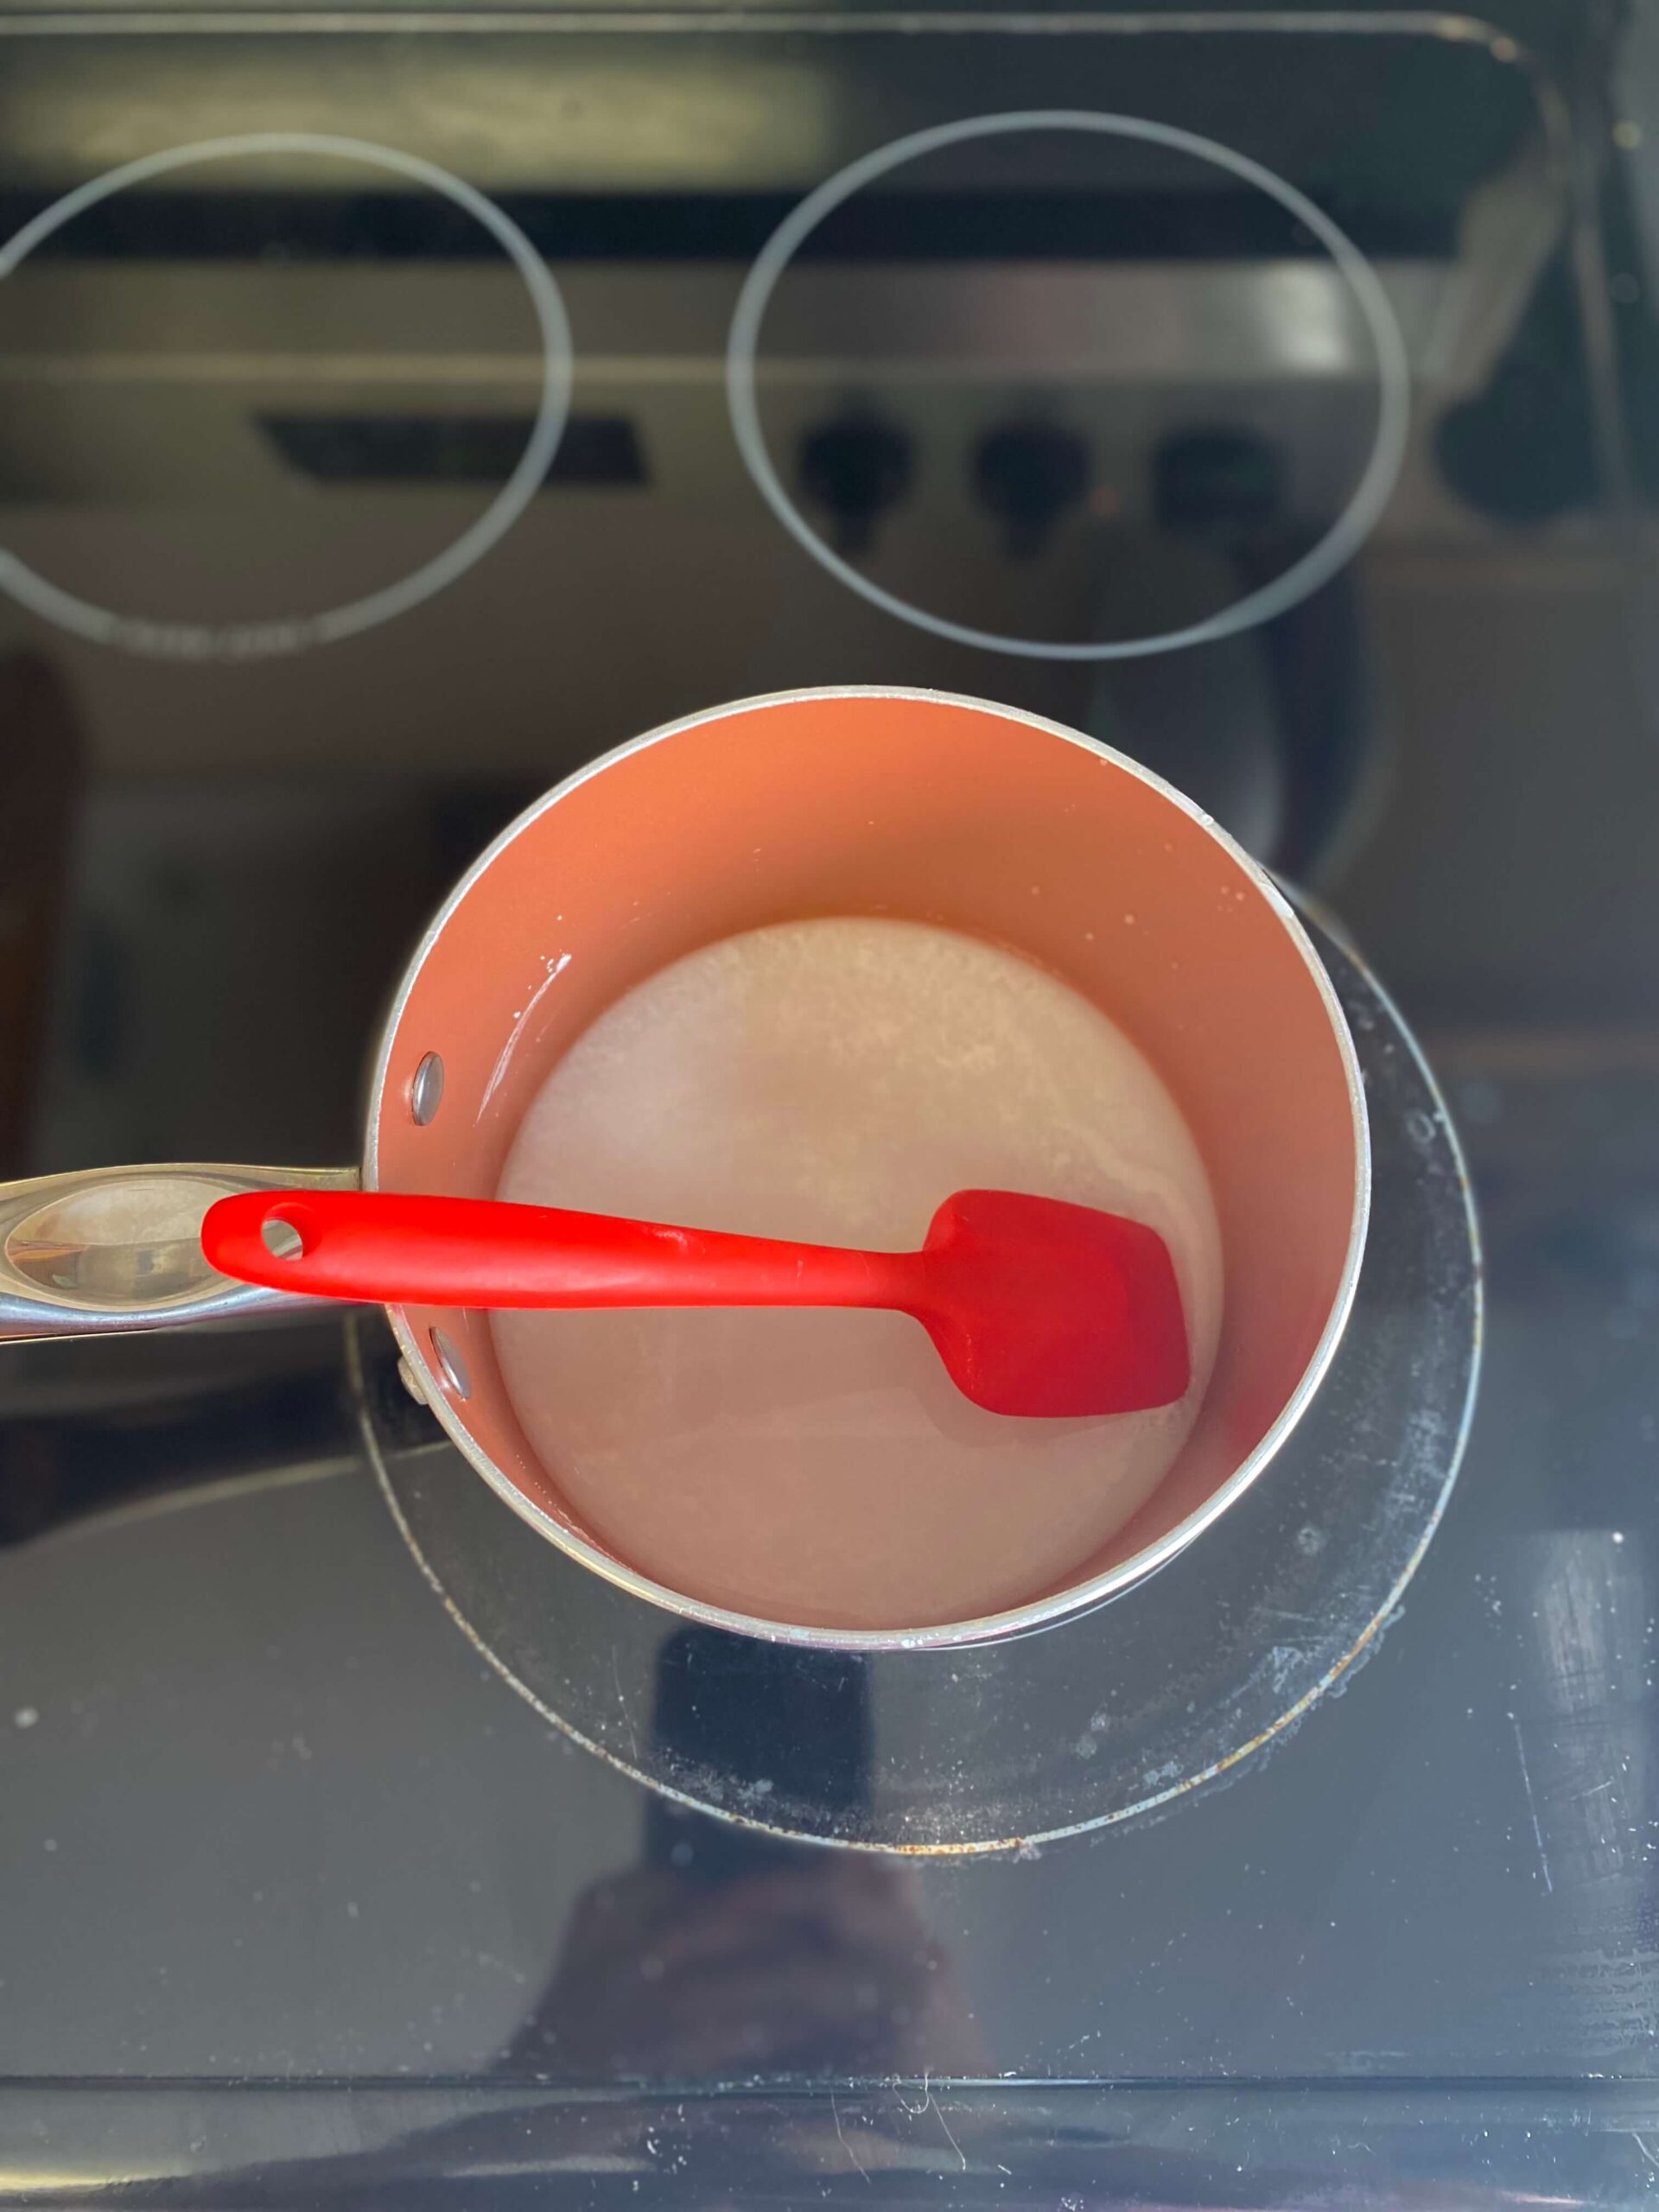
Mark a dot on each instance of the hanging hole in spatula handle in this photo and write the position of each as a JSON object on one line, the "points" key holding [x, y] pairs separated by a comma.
{"points": [[257, 1237], [283, 1233]]}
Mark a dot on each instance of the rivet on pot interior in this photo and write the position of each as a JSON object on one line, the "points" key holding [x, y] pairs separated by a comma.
{"points": [[451, 1365], [426, 1089]]}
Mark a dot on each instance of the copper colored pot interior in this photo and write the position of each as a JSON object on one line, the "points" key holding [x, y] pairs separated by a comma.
{"points": [[940, 810]]}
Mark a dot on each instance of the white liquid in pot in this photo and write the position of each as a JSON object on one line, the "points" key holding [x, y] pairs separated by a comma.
{"points": [[833, 1080]]}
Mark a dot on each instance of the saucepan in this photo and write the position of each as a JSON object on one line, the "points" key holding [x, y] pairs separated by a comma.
{"points": [[846, 802]]}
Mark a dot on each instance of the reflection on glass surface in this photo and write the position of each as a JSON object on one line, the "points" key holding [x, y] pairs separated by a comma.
{"points": [[727, 1952]]}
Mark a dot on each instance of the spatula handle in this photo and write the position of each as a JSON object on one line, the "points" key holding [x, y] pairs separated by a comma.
{"points": [[430, 1251]]}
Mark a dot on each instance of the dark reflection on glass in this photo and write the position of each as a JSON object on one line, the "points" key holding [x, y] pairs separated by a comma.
{"points": [[797, 1720], [1273, 731], [729, 1951]]}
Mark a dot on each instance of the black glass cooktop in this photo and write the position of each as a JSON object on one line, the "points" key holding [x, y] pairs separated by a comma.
{"points": [[397, 410]]}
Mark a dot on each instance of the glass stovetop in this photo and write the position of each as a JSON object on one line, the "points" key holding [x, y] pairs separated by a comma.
{"points": [[300, 1901]]}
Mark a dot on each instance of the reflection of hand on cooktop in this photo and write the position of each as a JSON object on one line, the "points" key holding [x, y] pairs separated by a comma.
{"points": [[819, 1964], [733, 1950]]}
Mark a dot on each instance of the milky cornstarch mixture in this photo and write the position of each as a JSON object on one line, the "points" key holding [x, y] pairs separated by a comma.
{"points": [[834, 1080]]}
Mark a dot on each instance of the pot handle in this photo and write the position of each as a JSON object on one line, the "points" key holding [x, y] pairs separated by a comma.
{"points": [[119, 1249]]}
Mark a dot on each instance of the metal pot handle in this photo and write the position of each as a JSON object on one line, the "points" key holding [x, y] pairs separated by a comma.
{"points": [[119, 1249]]}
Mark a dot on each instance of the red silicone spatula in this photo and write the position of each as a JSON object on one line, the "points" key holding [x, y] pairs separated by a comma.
{"points": [[1035, 1306]]}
